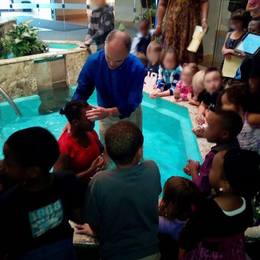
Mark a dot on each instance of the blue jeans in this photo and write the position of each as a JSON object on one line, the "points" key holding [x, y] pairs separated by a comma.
{"points": [[62, 250]]}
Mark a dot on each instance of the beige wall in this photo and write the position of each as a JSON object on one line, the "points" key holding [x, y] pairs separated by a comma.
{"points": [[124, 10]]}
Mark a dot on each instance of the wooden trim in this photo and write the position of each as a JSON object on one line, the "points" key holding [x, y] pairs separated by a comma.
{"points": [[71, 16]]}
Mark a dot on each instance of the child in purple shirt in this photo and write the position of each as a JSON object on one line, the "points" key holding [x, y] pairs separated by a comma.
{"points": [[223, 129]]}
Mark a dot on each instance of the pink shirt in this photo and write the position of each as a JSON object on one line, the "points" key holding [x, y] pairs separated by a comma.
{"points": [[184, 90]]}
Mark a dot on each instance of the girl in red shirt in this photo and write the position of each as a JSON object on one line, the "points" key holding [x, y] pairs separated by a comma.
{"points": [[80, 148]]}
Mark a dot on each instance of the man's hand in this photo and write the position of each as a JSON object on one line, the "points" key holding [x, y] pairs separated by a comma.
{"points": [[192, 168], [97, 113], [84, 229]]}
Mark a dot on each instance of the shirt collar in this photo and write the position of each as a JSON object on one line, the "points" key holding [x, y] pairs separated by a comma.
{"points": [[234, 144]]}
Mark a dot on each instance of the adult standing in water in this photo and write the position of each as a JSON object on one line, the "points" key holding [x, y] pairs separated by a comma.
{"points": [[118, 79], [177, 20]]}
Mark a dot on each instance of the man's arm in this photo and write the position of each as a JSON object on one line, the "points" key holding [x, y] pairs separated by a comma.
{"points": [[86, 84]]}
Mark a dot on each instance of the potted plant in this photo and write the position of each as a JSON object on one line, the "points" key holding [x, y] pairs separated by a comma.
{"points": [[23, 40], [149, 13]]}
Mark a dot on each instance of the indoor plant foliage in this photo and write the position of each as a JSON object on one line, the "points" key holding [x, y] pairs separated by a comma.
{"points": [[23, 40]]}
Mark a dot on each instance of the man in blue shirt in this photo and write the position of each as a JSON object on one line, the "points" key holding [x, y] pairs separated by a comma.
{"points": [[118, 78]]}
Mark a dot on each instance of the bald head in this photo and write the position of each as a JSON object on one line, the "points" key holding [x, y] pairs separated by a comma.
{"points": [[117, 48], [122, 39]]}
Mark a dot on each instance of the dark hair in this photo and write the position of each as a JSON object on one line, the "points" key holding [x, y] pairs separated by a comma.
{"points": [[241, 169], [231, 122], [73, 110], [123, 140], [237, 94], [240, 15], [127, 38], [169, 51], [33, 146], [257, 20], [212, 69], [146, 21], [180, 196]]}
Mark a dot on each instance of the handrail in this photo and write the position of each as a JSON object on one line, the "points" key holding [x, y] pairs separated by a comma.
{"points": [[11, 102]]}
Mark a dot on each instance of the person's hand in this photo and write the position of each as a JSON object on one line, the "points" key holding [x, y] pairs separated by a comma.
{"points": [[204, 24], [158, 31], [200, 119], [240, 54], [192, 168], [98, 164], [177, 95], [97, 113], [154, 94], [199, 131], [88, 42], [84, 229]]}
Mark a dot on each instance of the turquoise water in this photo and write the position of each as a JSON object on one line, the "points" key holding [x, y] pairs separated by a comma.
{"points": [[166, 126], [64, 46]]}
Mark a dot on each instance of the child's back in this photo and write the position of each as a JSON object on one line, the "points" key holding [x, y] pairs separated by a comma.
{"points": [[122, 207], [31, 220], [34, 213], [123, 204]]}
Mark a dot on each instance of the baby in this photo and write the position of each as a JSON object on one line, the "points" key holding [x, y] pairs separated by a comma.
{"points": [[169, 75], [153, 55], [197, 88], [183, 91]]}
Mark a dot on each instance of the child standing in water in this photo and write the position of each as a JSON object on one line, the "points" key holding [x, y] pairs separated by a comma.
{"points": [[101, 24], [80, 149], [169, 75]]}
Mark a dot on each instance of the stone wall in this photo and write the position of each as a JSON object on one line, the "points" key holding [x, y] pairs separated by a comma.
{"points": [[74, 63], [25, 76], [17, 79]]}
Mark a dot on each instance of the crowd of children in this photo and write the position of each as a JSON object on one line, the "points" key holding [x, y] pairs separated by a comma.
{"points": [[204, 216]]}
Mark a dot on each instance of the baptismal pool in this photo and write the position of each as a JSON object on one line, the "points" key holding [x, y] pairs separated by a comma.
{"points": [[166, 127]]}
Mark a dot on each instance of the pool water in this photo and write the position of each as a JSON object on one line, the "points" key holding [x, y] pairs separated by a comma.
{"points": [[54, 46], [166, 126]]}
